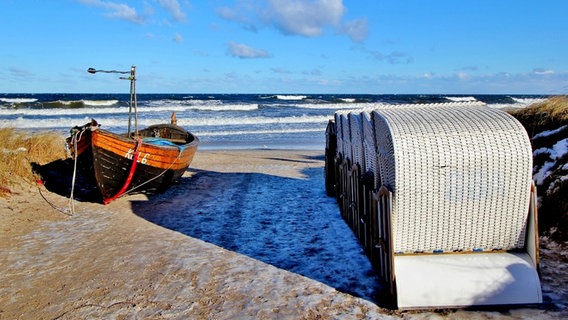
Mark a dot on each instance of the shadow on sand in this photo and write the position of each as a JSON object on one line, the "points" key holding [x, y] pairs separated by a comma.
{"points": [[57, 177], [287, 222]]}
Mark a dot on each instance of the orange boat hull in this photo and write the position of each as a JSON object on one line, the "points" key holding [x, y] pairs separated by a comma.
{"points": [[162, 153]]}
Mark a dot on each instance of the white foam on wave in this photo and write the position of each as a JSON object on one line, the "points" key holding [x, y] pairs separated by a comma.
{"points": [[116, 122], [337, 106], [103, 109], [18, 100], [245, 132], [62, 111], [227, 107], [519, 103], [105, 103], [461, 99], [203, 105], [68, 102], [528, 101], [53, 123], [227, 121], [290, 97]]}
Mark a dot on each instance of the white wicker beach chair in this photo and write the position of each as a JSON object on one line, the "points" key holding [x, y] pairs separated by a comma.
{"points": [[356, 130], [453, 222], [343, 135]]}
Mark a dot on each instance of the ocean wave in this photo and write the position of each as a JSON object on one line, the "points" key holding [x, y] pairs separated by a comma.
{"points": [[336, 106], [115, 122], [527, 101], [245, 132], [200, 105], [43, 124], [228, 121], [519, 103], [62, 111], [18, 100], [79, 109], [64, 104], [105, 103], [290, 97], [461, 99]]}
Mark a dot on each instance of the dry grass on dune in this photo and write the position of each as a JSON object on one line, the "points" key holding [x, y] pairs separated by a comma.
{"points": [[550, 118], [547, 115], [18, 150]]}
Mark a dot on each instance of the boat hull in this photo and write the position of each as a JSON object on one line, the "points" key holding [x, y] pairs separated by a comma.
{"points": [[148, 164]]}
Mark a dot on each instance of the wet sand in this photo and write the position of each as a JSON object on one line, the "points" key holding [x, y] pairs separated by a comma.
{"points": [[245, 235]]}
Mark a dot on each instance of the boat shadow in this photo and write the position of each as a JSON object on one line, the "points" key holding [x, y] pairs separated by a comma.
{"points": [[62, 178], [289, 223]]}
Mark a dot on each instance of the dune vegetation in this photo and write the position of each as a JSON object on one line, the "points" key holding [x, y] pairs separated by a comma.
{"points": [[547, 126], [18, 150], [547, 115]]}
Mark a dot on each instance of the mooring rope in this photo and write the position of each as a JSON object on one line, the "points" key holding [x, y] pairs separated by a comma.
{"points": [[71, 210], [62, 210], [130, 173], [157, 176], [74, 139]]}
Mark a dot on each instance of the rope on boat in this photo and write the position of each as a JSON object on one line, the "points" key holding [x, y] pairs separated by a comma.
{"points": [[130, 173], [74, 139], [159, 175], [62, 210], [71, 210]]}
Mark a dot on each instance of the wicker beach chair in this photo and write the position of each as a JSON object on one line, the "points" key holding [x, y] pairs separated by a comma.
{"points": [[452, 216]]}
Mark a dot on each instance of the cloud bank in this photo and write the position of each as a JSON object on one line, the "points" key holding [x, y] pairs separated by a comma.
{"points": [[122, 11], [243, 51], [296, 17]]}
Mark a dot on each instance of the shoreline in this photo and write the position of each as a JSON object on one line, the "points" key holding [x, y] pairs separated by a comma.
{"points": [[244, 234]]}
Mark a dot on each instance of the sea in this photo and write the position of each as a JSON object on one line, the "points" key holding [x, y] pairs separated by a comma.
{"points": [[221, 121]]}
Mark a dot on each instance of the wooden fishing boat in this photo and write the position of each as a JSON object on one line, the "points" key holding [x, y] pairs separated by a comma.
{"points": [[148, 163], [147, 160]]}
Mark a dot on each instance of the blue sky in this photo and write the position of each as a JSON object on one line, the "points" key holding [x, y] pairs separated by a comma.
{"points": [[286, 46]]}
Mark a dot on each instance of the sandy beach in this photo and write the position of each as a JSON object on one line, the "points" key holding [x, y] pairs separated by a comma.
{"points": [[245, 234]]}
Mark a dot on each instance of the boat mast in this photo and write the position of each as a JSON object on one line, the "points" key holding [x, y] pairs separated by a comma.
{"points": [[133, 99]]}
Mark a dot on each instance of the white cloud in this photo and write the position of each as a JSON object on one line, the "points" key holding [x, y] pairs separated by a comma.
{"points": [[395, 57], [18, 72], [305, 18], [178, 38], [463, 75], [357, 29], [243, 51], [116, 10], [173, 7], [313, 72], [241, 14], [280, 70], [543, 72]]}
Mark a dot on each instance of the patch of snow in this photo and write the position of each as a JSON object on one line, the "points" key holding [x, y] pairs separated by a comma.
{"points": [[560, 149], [543, 173], [549, 132]]}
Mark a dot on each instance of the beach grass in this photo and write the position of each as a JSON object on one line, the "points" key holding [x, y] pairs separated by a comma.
{"points": [[18, 150], [547, 115], [547, 125]]}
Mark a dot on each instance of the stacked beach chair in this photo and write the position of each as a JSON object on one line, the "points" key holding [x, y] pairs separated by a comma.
{"points": [[442, 201]]}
